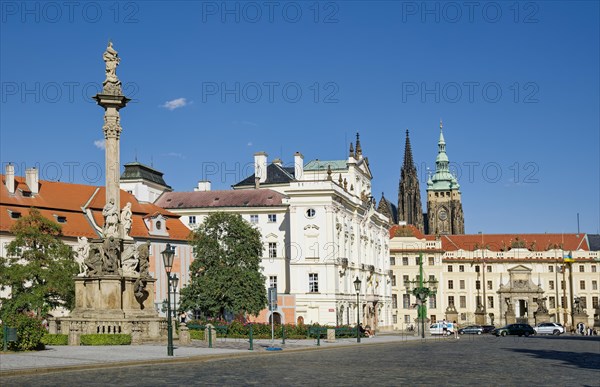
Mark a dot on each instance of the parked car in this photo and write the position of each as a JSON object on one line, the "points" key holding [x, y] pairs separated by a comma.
{"points": [[471, 330], [549, 328], [515, 329], [437, 328], [488, 328]]}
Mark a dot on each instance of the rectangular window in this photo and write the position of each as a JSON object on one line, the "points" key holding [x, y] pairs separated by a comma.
{"points": [[551, 285], [595, 302], [406, 301], [463, 316], [593, 268], [462, 284], [272, 249], [581, 269], [582, 285], [552, 302], [405, 280], [393, 280], [489, 285], [254, 219], [405, 261], [451, 300], [272, 218], [478, 284], [432, 302], [450, 284], [433, 317], [431, 278], [594, 285], [273, 281], [395, 319], [583, 302], [551, 268], [463, 301], [407, 318], [563, 302], [394, 301], [431, 261], [488, 268], [461, 268], [477, 269], [490, 301], [313, 282], [449, 268], [417, 261], [392, 261], [192, 219]]}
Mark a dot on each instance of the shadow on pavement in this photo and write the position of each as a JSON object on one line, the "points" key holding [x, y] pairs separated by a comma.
{"points": [[588, 360]]}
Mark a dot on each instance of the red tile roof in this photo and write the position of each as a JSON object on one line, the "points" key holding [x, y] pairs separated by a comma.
{"points": [[503, 242], [232, 198], [68, 200], [407, 230]]}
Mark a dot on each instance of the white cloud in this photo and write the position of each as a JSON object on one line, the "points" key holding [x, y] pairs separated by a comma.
{"points": [[100, 144], [175, 154], [175, 104], [250, 144]]}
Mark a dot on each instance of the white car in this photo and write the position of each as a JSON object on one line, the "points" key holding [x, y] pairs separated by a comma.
{"points": [[438, 329], [549, 328]]}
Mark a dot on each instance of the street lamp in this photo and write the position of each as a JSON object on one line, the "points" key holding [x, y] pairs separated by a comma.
{"points": [[422, 290], [357, 283], [168, 255]]}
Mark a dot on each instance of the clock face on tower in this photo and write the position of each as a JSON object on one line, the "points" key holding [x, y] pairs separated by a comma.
{"points": [[442, 215]]}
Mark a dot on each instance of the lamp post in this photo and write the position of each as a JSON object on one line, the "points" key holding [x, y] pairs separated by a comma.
{"points": [[174, 283], [422, 290], [357, 283], [168, 254]]}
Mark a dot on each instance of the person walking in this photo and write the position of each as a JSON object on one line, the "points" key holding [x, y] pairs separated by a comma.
{"points": [[456, 330]]}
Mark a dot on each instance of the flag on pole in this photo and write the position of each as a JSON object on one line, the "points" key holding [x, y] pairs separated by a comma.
{"points": [[568, 257]]}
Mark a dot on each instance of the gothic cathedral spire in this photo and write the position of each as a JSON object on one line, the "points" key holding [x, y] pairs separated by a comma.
{"points": [[444, 205], [409, 194]]}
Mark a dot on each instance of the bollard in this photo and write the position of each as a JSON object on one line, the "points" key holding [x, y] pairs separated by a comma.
{"points": [[251, 343], [318, 337], [282, 334], [209, 336]]}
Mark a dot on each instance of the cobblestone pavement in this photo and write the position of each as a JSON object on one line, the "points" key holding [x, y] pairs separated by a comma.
{"points": [[472, 360]]}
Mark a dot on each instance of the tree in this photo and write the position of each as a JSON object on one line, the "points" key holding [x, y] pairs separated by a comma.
{"points": [[226, 274], [39, 269]]}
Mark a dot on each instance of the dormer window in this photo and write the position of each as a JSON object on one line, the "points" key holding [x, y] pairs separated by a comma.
{"points": [[26, 194], [158, 225], [14, 214], [60, 218]]}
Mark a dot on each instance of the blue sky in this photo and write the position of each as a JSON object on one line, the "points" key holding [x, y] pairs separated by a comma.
{"points": [[516, 85]]}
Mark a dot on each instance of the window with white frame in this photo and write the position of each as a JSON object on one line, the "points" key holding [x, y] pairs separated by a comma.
{"points": [[407, 318], [192, 219], [405, 261], [394, 319], [254, 218], [394, 301], [272, 218], [406, 301], [272, 249], [490, 302], [392, 261], [273, 281], [432, 302], [313, 282]]}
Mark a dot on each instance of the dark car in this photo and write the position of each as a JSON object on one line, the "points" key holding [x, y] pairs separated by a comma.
{"points": [[488, 328], [515, 329], [471, 329]]}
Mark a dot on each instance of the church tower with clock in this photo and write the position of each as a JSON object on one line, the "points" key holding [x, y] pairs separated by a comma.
{"points": [[444, 206]]}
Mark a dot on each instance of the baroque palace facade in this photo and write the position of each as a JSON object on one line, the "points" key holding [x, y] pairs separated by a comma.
{"points": [[492, 275]]}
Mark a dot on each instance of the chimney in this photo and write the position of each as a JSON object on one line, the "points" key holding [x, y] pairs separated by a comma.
{"points": [[32, 180], [298, 166], [277, 161], [260, 166], [10, 178], [203, 186]]}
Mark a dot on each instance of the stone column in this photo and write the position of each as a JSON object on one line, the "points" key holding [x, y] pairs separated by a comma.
{"points": [[112, 100]]}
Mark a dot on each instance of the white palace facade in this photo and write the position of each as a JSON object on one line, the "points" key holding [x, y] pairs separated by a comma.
{"points": [[320, 231]]}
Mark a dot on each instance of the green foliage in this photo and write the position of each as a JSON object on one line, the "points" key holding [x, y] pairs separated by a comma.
{"points": [[39, 269], [55, 339], [196, 334], [106, 339], [226, 274], [30, 332]]}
